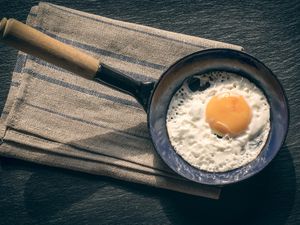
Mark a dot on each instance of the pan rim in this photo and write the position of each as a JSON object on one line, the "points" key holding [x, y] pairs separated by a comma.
{"points": [[217, 182]]}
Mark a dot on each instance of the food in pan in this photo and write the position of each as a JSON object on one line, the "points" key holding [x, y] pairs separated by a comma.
{"points": [[218, 121]]}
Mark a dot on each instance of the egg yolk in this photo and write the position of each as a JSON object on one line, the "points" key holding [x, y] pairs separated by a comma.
{"points": [[228, 115]]}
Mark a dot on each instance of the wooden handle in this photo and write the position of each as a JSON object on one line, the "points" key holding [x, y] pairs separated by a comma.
{"points": [[34, 42]]}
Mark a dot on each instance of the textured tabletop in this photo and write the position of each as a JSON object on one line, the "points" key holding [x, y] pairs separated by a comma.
{"points": [[269, 30]]}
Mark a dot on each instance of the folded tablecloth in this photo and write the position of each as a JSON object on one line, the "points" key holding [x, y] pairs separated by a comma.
{"points": [[54, 118]]}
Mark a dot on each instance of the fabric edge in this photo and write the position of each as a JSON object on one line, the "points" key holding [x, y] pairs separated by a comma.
{"points": [[208, 42], [3, 120], [10, 151]]}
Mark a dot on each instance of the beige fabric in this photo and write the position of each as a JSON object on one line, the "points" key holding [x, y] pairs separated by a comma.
{"points": [[54, 118]]}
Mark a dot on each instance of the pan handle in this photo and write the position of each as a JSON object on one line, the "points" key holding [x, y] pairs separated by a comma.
{"points": [[36, 43]]}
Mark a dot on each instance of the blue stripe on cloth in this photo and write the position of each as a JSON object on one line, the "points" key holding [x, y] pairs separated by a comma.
{"points": [[32, 14], [21, 60], [15, 84], [81, 120], [49, 65], [80, 89], [132, 29], [104, 52]]}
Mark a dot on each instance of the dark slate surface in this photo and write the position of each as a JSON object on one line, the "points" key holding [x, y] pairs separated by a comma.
{"points": [[269, 30]]}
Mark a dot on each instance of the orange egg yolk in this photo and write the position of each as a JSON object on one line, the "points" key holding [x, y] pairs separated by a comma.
{"points": [[228, 115]]}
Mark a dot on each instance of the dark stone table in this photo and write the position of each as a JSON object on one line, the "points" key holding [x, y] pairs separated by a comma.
{"points": [[269, 30]]}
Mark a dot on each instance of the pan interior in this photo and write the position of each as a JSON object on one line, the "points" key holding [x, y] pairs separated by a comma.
{"points": [[200, 63]]}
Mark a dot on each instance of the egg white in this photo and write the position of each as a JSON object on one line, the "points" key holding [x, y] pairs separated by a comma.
{"points": [[195, 142]]}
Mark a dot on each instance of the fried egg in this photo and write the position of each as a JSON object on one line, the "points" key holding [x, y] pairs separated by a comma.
{"points": [[218, 121]]}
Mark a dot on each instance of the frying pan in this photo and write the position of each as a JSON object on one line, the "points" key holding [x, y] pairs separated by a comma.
{"points": [[155, 97]]}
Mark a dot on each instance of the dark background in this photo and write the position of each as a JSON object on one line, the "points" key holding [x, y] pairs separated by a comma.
{"points": [[269, 30]]}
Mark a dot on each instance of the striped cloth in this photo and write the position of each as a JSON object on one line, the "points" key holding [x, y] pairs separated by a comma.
{"points": [[54, 118]]}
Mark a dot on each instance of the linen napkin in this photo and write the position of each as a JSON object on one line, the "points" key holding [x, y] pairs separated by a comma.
{"points": [[54, 118]]}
